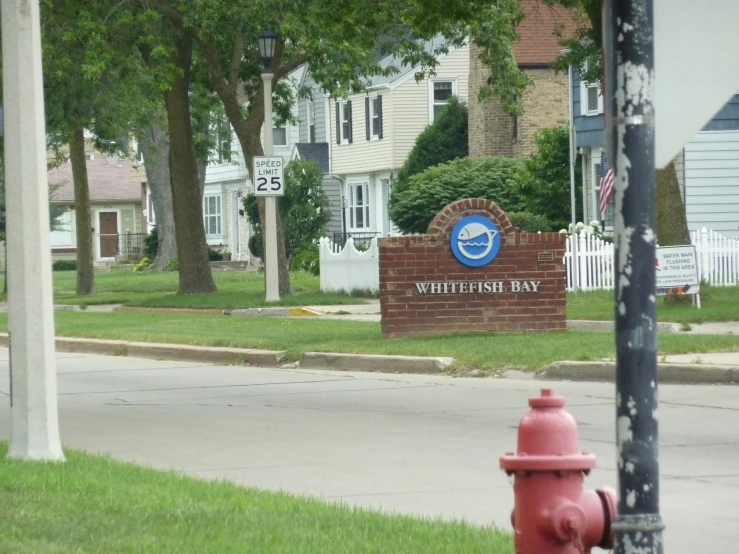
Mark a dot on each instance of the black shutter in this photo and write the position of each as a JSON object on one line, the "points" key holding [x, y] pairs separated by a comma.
{"points": [[379, 113], [351, 129], [367, 121], [338, 123]]}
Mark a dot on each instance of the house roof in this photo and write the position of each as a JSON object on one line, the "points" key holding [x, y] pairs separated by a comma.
{"points": [[403, 69], [314, 152], [539, 43], [108, 183]]}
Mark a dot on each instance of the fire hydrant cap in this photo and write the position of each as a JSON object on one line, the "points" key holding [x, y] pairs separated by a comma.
{"points": [[548, 439]]}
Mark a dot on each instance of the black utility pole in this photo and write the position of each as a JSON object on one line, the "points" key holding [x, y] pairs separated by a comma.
{"points": [[629, 48]]}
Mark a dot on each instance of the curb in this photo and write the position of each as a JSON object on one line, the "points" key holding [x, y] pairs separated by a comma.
{"points": [[185, 353], [374, 363], [667, 372], [205, 311], [591, 325]]}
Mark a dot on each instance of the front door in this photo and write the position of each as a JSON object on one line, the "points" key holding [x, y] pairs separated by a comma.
{"points": [[108, 234]]}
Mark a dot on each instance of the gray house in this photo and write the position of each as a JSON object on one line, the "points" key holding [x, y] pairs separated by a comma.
{"points": [[318, 152], [707, 168]]}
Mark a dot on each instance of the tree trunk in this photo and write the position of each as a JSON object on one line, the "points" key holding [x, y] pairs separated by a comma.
{"points": [[83, 216], [155, 147], [195, 273], [672, 224], [248, 131]]}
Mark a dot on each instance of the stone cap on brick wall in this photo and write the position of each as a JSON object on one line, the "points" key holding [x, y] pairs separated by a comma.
{"points": [[445, 217]]}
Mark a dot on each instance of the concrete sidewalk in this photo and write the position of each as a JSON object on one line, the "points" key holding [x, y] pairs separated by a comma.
{"points": [[423, 445]]}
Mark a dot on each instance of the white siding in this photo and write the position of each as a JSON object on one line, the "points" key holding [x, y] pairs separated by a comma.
{"points": [[411, 102], [712, 182], [362, 156]]}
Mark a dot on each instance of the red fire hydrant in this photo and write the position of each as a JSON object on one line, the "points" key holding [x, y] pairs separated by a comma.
{"points": [[553, 514]]}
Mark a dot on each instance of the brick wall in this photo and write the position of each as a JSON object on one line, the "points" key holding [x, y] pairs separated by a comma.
{"points": [[407, 260], [491, 131]]}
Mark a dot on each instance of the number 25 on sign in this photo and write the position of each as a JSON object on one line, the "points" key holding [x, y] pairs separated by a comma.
{"points": [[268, 176]]}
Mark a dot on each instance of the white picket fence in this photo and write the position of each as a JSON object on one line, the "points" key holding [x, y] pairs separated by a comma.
{"points": [[348, 268], [718, 260]]}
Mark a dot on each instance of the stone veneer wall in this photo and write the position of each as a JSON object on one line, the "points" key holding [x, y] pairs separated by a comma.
{"points": [[407, 260]]}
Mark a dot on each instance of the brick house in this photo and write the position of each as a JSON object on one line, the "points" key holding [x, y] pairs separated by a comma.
{"points": [[493, 132]]}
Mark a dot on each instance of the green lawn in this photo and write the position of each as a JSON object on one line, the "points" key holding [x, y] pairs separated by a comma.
{"points": [[718, 304], [299, 335], [157, 289], [93, 504]]}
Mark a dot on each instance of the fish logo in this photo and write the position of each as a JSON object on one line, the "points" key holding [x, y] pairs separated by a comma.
{"points": [[475, 241]]}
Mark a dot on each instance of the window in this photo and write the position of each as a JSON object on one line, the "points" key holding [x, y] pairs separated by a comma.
{"points": [[139, 154], [344, 122], [279, 136], [373, 116], [359, 214], [311, 121], [212, 215], [591, 100], [440, 93], [150, 209], [224, 142]]}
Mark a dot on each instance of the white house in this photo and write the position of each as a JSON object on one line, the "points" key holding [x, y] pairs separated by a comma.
{"points": [[369, 135]]}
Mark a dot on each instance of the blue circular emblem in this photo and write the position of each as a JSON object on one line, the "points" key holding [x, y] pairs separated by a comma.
{"points": [[475, 241]]}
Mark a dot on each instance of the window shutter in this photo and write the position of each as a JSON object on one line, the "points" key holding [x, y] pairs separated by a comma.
{"points": [[367, 116], [379, 113], [338, 123], [351, 128]]}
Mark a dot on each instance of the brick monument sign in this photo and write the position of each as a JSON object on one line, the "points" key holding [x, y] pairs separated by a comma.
{"points": [[472, 271]]}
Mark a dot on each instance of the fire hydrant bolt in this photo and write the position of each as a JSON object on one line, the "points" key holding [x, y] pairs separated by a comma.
{"points": [[553, 514]]}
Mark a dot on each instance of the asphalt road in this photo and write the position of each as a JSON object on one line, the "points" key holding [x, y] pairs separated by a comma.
{"points": [[416, 444]]}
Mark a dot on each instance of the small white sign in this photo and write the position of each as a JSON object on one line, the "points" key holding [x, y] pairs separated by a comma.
{"points": [[268, 176], [677, 268]]}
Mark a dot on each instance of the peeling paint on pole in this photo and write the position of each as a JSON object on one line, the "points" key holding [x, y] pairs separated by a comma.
{"points": [[630, 128]]}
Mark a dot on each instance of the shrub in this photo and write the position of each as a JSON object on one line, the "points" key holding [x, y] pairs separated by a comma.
{"points": [[532, 223], [428, 192], [143, 265], [256, 245], [307, 260], [151, 244], [172, 265], [64, 265], [214, 255], [444, 140]]}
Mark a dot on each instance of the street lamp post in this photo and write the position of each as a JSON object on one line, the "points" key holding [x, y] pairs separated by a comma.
{"points": [[267, 42], [34, 432]]}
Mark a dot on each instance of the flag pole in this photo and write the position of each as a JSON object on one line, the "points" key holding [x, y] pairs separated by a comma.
{"points": [[574, 260]]}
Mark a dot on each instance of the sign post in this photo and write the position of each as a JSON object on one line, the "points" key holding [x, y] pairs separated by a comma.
{"points": [[632, 137], [268, 179]]}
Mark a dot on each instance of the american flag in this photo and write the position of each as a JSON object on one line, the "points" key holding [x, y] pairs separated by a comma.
{"points": [[606, 184]]}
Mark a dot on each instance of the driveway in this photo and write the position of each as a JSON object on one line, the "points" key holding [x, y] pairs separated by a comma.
{"points": [[417, 444]]}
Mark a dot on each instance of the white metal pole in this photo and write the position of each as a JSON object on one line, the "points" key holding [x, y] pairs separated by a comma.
{"points": [[271, 269], [573, 213], [34, 432]]}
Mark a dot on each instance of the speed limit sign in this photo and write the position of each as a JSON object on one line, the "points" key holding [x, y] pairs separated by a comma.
{"points": [[268, 174]]}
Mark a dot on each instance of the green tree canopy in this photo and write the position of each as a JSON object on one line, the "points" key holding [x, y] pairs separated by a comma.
{"points": [[545, 184], [304, 208], [428, 192]]}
